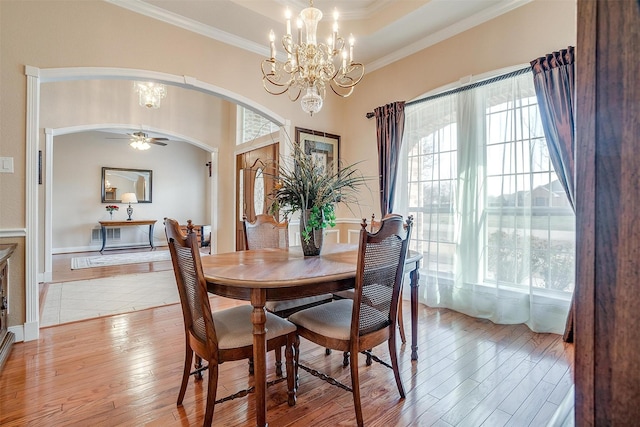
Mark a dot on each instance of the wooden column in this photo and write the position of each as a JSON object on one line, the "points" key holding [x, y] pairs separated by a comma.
{"points": [[607, 322]]}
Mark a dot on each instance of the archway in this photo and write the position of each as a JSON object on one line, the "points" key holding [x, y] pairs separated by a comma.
{"points": [[35, 77]]}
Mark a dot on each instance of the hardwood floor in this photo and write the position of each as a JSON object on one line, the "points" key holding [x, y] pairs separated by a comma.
{"points": [[126, 370], [62, 272]]}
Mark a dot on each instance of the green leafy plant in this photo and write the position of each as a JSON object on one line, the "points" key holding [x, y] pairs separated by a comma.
{"points": [[303, 185]]}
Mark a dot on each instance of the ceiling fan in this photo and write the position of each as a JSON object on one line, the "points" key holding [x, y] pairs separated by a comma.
{"points": [[141, 141]]}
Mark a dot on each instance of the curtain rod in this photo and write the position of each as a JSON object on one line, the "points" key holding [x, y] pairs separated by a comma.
{"points": [[464, 88]]}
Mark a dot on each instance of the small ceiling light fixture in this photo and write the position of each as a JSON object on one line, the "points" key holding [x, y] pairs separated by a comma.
{"points": [[311, 66], [140, 141], [150, 94]]}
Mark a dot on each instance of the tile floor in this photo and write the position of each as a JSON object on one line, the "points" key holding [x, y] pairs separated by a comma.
{"points": [[84, 299]]}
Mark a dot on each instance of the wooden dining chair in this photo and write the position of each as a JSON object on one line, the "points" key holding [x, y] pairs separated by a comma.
{"points": [[265, 232], [369, 319], [221, 336], [374, 226]]}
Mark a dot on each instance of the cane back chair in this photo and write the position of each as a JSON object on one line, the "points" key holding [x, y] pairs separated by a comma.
{"points": [[265, 232], [369, 319], [221, 336], [374, 226]]}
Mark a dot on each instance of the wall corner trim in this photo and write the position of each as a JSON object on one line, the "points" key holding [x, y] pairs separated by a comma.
{"points": [[31, 71]]}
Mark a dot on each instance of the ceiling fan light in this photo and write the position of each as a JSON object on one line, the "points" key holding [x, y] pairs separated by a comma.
{"points": [[139, 142]]}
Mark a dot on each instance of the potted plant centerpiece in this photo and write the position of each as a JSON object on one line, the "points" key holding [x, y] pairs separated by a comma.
{"points": [[313, 189]]}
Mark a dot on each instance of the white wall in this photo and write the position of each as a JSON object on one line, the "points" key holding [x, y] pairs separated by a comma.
{"points": [[179, 187]]}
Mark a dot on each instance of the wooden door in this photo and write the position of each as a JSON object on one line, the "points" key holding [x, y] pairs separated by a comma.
{"points": [[255, 171]]}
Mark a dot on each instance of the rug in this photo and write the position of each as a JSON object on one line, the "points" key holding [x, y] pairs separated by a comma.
{"points": [[119, 259], [86, 299]]}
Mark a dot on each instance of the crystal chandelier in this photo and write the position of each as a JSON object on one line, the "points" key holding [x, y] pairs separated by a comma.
{"points": [[311, 66], [140, 141], [150, 94]]}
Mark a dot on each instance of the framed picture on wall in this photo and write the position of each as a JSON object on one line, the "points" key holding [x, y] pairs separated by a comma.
{"points": [[324, 148]]}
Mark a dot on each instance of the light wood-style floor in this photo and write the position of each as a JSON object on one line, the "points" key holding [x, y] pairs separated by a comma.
{"points": [[126, 370]]}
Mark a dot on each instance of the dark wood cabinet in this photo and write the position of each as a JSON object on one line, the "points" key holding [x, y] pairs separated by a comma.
{"points": [[607, 316], [6, 338]]}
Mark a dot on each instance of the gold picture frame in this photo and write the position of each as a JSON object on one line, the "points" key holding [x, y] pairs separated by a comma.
{"points": [[324, 148]]}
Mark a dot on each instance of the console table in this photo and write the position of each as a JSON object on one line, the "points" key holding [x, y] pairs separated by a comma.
{"points": [[104, 224]]}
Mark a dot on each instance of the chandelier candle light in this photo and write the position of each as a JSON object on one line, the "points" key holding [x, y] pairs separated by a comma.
{"points": [[311, 66]]}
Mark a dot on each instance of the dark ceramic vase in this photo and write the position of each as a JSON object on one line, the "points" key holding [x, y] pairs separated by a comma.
{"points": [[314, 245]]}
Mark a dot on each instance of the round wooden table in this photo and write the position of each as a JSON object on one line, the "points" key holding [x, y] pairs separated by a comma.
{"points": [[279, 274]]}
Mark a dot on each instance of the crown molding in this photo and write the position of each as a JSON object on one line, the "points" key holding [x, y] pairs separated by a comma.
{"points": [[450, 31], [352, 15], [171, 18]]}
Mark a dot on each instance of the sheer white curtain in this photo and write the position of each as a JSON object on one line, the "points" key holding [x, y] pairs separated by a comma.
{"points": [[491, 219]]}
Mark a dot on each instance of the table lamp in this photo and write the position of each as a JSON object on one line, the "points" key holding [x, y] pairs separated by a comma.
{"points": [[129, 198]]}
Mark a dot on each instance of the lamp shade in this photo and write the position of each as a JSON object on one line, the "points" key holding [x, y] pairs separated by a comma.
{"points": [[129, 198]]}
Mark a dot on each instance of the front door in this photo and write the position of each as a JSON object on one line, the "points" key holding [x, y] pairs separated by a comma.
{"points": [[256, 171]]}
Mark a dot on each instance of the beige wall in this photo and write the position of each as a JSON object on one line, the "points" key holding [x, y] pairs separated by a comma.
{"points": [[77, 156], [49, 34], [518, 37]]}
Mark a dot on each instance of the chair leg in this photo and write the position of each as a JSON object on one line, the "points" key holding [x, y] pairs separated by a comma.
{"points": [[355, 386], [188, 359], [198, 366], [345, 359], [401, 322], [211, 393], [393, 353], [278, 351], [291, 375], [296, 358], [369, 361], [250, 366]]}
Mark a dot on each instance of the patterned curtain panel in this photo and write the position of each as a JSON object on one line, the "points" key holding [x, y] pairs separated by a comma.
{"points": [[390, 128], [553, 78]]}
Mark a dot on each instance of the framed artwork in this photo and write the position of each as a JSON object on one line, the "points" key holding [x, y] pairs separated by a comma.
{"points": [[324, 148]]}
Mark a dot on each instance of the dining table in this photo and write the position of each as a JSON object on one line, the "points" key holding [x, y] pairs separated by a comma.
{"points": [[281, 274]]}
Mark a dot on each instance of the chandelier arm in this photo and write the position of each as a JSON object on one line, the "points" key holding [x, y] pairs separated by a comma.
{"points": [[273, 92], [340, 94], [297, 95], [353, 81]]}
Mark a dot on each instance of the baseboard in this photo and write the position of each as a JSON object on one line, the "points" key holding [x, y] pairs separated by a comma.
{"points": [[18, 332], [31, 331], [158, 244]]}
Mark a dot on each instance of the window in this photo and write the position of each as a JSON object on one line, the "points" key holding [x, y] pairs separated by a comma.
{"points": [[488, 209], [253, 125]]}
